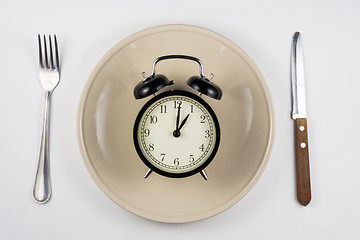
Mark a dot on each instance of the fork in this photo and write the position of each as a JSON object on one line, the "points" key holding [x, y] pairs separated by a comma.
{"points": [[49, 78]]}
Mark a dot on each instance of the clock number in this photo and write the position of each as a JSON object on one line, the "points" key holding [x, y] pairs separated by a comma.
{"points": [[201, 147], [146, 132], [192, 159], [162, 108], [191, 108], [177, 104], [153, 119], [176, 162], [207, 133], [151, 147], [202, 117], [162, 156]]}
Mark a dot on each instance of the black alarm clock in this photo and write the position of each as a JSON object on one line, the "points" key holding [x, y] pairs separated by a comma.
{"points": [[176, 133]]}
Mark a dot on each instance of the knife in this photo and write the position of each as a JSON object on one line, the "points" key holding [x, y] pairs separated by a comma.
{"points": [[303, 184]]}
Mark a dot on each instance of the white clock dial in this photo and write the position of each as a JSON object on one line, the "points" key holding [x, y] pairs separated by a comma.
{"points": [[177, 133]]}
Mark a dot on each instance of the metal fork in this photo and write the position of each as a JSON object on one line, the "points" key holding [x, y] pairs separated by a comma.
{"points": [[49, 78]]}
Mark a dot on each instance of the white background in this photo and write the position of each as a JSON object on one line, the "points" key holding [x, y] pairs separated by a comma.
{"points": [[263, 29]]}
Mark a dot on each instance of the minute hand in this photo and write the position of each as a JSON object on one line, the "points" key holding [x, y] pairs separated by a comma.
{"points": [[183, 122], [177, 119]]}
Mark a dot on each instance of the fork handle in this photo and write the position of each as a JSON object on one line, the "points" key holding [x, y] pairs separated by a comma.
{"points": [[42, 186]]}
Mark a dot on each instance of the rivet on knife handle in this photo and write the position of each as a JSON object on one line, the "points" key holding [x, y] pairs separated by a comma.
{"points": [[302, 162], [299, 115]]}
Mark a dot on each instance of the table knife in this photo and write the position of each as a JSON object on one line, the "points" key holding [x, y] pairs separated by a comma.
{"points": [[303, 184]]}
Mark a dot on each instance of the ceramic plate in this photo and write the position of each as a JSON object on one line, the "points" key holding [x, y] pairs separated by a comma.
{"points": [[108, 110]]}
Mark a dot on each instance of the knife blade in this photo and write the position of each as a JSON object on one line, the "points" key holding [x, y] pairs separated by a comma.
{"points": [[303, 184]]}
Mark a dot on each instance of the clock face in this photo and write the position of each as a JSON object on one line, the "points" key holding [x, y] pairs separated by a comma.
{"points": [[176, 134]]}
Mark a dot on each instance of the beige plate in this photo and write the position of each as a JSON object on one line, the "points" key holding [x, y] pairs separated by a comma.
{"points": [[108, 110]]}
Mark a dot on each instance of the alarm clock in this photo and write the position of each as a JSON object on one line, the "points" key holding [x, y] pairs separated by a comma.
{"points": [[176, 133]]}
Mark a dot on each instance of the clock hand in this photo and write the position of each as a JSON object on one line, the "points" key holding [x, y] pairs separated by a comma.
{"points": [[177, 119], [184, 121], [176, 133]]}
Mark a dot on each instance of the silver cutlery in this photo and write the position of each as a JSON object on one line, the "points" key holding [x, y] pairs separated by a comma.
{"points": [[303, 184], [49, 78]]}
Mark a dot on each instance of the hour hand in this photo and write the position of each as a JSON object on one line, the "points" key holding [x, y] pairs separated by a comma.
{"points": [[177, 133], [184, 121]]}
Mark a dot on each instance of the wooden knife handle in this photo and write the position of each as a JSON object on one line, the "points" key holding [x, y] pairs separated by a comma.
{"points": [[302, 162]]}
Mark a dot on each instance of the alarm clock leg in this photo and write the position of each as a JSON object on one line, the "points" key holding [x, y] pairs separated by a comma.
{"points": [[148, 172], [203, 173]]}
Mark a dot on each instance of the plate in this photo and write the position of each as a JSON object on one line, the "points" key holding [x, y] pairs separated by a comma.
{"points": [[108, 110]]}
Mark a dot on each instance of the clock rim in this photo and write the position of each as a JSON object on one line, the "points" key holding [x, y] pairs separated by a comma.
{"points": [[216, 142]]}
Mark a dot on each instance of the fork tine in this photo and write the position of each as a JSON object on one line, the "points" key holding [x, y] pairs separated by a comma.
{"points": [[52, 66], [56, 53], [41, 63], [46, 54]]}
